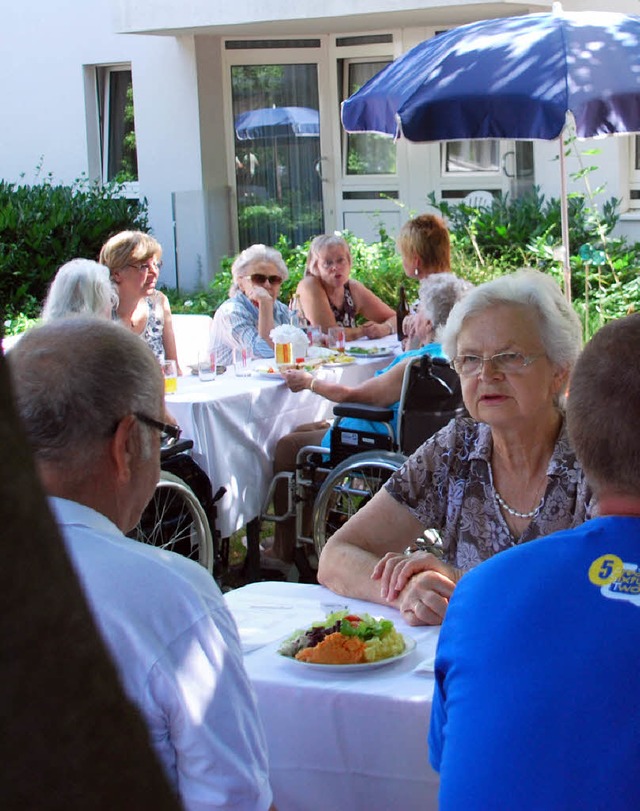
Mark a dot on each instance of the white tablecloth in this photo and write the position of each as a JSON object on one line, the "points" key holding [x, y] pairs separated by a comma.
{"points": [[235, 424], [353, 741]]}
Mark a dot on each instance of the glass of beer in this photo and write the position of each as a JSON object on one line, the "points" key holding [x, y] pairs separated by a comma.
{"points": [[170, 372], [284, 353]]}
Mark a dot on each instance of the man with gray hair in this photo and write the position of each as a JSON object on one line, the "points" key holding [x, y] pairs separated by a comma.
{"points": [[90, 395], [536, 698]]}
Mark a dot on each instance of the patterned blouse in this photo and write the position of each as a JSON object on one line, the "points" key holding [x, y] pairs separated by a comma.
{"points": [[154, 327], [346, 315], [447, 485]]}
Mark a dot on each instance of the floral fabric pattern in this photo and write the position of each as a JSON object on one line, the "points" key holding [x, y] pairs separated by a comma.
{"points": [[155, 327], [447, 485], [346, 315]]}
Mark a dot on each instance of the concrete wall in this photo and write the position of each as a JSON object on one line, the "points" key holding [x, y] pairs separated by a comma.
{"points": [[43, 111]]}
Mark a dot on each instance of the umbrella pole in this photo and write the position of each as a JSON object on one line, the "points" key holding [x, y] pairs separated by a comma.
{"points": [[564, 220]]}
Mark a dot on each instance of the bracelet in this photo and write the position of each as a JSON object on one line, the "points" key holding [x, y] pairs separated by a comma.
{"points": [[313, 382]]}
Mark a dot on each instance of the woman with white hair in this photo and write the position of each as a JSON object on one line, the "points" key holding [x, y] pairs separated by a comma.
{"points": [[80, 287], [503, 476], [252, 310]]}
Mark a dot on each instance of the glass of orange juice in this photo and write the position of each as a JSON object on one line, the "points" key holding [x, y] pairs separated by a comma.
{"points": [[170, 372]]}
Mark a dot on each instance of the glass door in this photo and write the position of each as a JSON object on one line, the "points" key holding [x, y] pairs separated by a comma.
{"points": [[276, 115]]}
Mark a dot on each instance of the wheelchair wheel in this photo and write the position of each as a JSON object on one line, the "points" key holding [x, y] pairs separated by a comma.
{"points": [[174, 520], [347, 488]]}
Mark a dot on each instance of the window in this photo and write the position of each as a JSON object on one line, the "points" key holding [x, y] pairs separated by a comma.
{"points": [[470, 156], [365, 153], [117, 129]]}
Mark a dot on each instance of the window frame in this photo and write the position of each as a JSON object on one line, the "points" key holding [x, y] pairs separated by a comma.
{"points": [[100, 77]]}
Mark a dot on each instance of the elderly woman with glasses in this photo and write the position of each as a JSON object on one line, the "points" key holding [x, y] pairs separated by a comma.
{"points": [[252, 309], [329, 298], [133, 259], [500, 477]]}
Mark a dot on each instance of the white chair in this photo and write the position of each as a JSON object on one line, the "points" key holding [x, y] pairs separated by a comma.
{"points": [[478, 199], [192, 336]]}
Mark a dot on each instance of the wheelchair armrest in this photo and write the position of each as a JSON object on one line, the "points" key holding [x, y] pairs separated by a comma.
{"points": [[180, 446], [364, 412]]}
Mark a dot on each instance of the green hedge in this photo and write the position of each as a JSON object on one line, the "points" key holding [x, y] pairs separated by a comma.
{"points": [[44, 225]]}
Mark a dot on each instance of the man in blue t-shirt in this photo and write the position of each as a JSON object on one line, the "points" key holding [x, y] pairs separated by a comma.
{"points": [[537, 700]]}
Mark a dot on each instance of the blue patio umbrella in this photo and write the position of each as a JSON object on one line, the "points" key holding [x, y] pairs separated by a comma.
{"points": [[515, 78], [277, 122]]}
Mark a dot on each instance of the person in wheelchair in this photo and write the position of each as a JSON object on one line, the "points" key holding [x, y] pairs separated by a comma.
{"points": [[438, 294], [500, 477]]}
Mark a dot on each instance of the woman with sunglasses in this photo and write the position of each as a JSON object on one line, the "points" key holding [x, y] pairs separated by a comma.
{"points": [[133, 259], [329, 298], [252, 310]]}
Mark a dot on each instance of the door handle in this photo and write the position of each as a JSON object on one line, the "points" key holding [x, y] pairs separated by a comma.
{"points": [[318, 168], [510, 153]]}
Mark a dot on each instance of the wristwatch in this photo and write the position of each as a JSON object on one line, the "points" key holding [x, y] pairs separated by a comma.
{"points": [[430, 542]]}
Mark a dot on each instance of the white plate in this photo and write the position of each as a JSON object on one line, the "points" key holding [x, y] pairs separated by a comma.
{"points": [[377, 352], [266, 375], [409, 647], [333, 363]]}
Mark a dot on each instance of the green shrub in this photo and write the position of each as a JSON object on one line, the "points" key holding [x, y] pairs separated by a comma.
{"points": [[44, 225]]}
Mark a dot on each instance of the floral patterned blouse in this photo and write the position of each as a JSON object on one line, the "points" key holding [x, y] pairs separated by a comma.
{"points": [[346, 315], [154, 328], [447, 485]]}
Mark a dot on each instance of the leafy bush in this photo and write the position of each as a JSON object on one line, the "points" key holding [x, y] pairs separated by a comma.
{"points": [[44, 225]]}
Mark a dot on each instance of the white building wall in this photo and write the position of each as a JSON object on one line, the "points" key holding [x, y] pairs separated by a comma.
{"points": [[183, 153], [43, 110]]}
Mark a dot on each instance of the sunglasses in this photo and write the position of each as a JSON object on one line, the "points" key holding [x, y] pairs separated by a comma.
{"points": [[260, 278]]}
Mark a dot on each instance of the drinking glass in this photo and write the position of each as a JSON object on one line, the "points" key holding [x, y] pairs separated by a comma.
{"points": [[314, 334], [241, 361], [337, 338], [284, 353], [207, 366], [170, 372]]}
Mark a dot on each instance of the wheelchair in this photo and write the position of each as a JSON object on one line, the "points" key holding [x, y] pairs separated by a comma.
{"points": [[181, 515], [339, 483]]}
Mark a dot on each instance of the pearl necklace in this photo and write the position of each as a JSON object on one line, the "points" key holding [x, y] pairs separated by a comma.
{"points": [[517, 513]]}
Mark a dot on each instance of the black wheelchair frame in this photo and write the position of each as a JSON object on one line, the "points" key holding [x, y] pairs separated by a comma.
{"points": [[182, 513], [360, 462]]}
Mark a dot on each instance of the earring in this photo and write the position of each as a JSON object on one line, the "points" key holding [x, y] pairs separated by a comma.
{"points": [[416, 272]]}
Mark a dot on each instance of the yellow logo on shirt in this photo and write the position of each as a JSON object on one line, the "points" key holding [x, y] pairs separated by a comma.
{"points": [[616, 580], [605, 570]]}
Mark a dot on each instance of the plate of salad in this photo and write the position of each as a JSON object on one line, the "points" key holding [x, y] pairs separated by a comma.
{"points": [[345, 641], [369, 352]]}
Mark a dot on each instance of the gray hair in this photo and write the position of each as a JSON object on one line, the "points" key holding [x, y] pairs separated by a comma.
{"points": [[74, 379], [252, 255], [80, 287], [439, 292], [558, 324]]}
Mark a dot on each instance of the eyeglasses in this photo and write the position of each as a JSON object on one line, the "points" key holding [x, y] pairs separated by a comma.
{"points": [[150, 264], [169, 434], [503, 362], [260, 278], [329, 263]]}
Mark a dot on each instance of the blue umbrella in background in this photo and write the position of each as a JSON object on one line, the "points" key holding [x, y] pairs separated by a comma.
{"points": [[277, 122], [515, 78]]}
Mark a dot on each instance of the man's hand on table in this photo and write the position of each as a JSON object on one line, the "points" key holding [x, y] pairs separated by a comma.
{"points": [[419, 585]]}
